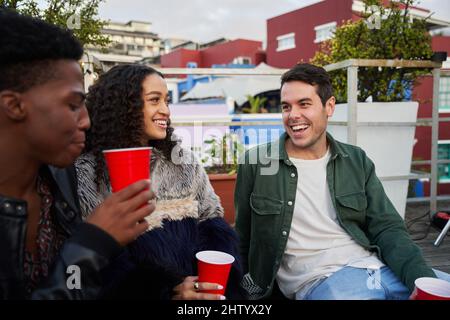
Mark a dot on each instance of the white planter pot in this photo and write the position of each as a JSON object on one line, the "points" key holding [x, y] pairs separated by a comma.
{"points": [[390, 148]]}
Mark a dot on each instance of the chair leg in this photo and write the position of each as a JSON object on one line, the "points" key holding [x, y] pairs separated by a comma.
{"points": [[442, 234]]}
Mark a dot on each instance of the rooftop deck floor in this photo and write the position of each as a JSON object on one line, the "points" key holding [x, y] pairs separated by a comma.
{"points": [[425, 235]]}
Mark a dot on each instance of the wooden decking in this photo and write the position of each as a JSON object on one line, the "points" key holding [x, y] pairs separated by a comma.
{"points": [[425, 235]]}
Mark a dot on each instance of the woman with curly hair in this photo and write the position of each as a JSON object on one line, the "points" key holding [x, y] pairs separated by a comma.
{"points": [[128, 107]]}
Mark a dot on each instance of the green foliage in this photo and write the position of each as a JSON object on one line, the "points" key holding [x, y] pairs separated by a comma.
{"points": [[397, 38], [63, 13], [256, 105], [222, 154]]}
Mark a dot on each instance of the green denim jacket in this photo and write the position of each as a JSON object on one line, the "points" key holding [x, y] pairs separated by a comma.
{"points": [[265, 198]]}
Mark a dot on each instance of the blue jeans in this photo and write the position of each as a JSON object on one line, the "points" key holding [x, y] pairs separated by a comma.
{"points": [[351, 283]]}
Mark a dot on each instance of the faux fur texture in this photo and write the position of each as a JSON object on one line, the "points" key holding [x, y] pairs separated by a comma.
{"points": [[157, 261], [188, 218], [185, 180], [176, 209]]}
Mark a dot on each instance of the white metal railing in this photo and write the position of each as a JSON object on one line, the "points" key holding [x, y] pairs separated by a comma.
{"points": [[222, 71]]}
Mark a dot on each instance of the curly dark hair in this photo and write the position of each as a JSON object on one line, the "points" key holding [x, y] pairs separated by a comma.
{"points": [[28, 48], [115, 107]]}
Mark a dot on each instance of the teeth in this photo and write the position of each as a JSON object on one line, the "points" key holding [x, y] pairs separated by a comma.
{"points": [[160, 122], [300, 127]]}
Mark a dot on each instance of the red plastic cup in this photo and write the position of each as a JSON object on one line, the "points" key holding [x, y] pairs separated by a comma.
{"points": [[431, 289], [127, 166], [214, 267]]}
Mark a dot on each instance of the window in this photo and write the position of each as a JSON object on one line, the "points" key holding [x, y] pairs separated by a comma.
{"points": [[444, 95], [139, 40], [286, 42], [242, 60], [130, 46], [119, 46], [325, 31], [117, 38], [444, 169]]}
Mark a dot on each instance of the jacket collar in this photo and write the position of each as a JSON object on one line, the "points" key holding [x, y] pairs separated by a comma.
{"points": [[335, 148], [65, 179], [280, 145]]}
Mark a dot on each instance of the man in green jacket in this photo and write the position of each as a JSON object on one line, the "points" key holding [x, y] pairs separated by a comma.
{"points": [[312, 215]]}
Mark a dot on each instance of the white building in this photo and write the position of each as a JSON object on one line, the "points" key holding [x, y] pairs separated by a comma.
{"points": [[130, 42]]}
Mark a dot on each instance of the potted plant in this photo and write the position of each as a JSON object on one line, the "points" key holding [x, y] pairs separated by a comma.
{"points": [[383, 93], [220, 161], [256, 105]]}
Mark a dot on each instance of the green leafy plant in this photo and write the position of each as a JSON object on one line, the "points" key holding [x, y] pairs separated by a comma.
{"points": [[256, 105], [222, 153], [396, 37]]}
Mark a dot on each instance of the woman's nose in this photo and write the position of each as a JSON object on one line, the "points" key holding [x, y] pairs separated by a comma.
{"points": [[164, 108]]}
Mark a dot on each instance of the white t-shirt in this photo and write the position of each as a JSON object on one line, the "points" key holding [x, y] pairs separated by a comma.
{"points": [[317, 245]]}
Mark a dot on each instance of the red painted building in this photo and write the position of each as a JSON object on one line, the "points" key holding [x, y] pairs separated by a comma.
{"points": [[180, 57], [238, 51], [296, 36], [291, 37]]}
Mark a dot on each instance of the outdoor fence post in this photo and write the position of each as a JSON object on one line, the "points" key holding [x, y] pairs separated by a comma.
{"points": [[434, 142], [352, 98]]}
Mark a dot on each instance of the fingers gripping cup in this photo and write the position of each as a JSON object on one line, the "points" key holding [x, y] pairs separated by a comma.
{"points": [[431, 289], [214, 267], [126, 166]]}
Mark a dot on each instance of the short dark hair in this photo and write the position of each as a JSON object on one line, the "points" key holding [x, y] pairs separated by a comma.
{"points": [[27, 48], [312, 75]]}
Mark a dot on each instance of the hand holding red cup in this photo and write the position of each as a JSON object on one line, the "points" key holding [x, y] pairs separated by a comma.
{"points": [[126, 166], [214, 267]]}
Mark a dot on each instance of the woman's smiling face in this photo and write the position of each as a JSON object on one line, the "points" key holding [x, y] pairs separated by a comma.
{"points": [[156, 107]]}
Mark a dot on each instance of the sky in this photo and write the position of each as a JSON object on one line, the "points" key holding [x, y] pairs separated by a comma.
{"points": [[206, 20]]}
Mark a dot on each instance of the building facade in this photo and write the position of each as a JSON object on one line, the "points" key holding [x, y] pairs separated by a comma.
{"points": [[296, 36], [239, 51], [130, 42]]}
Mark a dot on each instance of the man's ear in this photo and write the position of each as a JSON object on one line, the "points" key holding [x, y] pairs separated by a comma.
{"points": [[330, 104], [11, 105]]}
